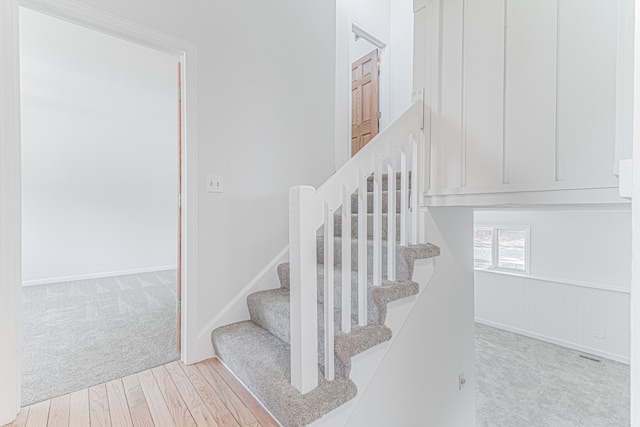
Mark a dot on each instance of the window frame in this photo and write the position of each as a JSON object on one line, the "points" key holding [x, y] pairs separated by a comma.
{"points": [[495, 248]]}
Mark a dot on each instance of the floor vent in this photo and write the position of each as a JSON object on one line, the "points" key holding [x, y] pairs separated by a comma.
{"points": [[593, 359]]}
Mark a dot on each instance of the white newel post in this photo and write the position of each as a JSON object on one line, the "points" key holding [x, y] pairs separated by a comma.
{"points": [[303, 282]]}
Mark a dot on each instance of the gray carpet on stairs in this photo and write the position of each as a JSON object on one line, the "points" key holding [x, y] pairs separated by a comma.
{"points": [[78, 334], [258, 350]]}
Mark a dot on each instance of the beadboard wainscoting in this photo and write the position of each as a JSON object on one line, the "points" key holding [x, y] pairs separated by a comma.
{"points": [[589, 317]]}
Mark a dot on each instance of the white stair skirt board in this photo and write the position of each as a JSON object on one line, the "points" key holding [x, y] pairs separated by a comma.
{"points": [[365, 365]]}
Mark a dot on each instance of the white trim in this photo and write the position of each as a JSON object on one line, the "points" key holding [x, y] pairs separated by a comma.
{"points": [[513, 188], [367, 34], [10, 214], [515, 198], [568, 344], [101, 275], [551, 279]]}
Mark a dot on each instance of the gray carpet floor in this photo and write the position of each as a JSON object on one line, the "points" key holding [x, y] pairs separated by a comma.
{"points": [[78, 334], [526, 382]]}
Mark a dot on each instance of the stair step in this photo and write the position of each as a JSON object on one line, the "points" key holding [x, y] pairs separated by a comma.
{"points": [[404, 269], [385, 181], [262, 362], [337, 226], [385, 202], [270, 310]]}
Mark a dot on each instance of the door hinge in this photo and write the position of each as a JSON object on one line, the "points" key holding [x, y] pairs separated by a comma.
{"points": [[179, 200], [379, 114], [179, 308], [378, 64]]}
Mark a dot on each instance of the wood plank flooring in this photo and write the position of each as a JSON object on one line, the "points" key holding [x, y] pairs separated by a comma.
{"points": [[172, 395]]}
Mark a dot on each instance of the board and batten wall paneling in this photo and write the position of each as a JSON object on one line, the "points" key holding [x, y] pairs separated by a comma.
{"points": [[484, 92], [587, 38], [595, 321], [526, 93], [530, 85], [446, 144]]}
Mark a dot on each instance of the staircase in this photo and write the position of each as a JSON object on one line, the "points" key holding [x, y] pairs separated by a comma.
{"points": [[295, 352]]}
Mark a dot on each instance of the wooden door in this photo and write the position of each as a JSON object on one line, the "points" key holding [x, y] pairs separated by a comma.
{"points": [[179, 290], [364, 101]]}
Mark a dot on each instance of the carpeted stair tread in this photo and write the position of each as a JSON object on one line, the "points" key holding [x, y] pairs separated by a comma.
{"points": [[337, 225], [405, 256], [385, 202], [262, 362], [270, 310], [385, 180], [258, 351]]}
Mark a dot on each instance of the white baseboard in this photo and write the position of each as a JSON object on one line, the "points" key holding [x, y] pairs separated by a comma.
{"points": [[552, 340], [97, 275]]}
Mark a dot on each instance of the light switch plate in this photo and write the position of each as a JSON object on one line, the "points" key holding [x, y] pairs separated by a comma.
{"points": [[214, 184]]}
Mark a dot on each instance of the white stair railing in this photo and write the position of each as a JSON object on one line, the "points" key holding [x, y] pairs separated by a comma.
{"points": [[391, 151]]}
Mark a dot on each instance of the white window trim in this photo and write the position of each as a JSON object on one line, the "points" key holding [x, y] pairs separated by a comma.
{"points": [[494, 248]]}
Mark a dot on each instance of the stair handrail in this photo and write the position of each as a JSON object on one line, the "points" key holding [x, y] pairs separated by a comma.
{"points": [[398, 148]]}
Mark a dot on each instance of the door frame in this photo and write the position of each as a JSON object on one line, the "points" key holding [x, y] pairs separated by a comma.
{"points": [[384, 92], [10, 185]]}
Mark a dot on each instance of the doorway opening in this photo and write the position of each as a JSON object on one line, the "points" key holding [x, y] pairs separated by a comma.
{"points": [[369, 96], [101, 181], [552, 340]]}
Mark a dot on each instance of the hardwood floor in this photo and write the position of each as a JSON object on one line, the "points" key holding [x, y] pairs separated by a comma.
{"points": [[172, 395]]}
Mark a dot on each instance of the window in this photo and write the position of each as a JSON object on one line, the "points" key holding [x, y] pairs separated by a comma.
{"points": [[503, 248]]}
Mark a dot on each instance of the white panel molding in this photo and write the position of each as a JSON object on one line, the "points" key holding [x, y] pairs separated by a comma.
{"points": [[559, 280], [512, 188], [552, 340], [514, 198], [97, 275]]}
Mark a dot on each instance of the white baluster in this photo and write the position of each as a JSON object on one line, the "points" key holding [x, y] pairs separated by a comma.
{"points": [[346, 259], [303, 289], [404, 196], [362, 249], [377, 222], [391, 218], [414, 190], [329, 304]]}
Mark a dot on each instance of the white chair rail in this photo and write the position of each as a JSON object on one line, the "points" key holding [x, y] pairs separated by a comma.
{"points": [[398, 149]]}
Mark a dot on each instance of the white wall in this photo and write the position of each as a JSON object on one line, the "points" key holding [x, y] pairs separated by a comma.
{"points": [[265, 123], [525, 95], [99, 153], [577, 291], [359, 48], [392, 23], [417, 383]]}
